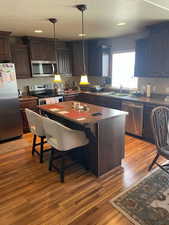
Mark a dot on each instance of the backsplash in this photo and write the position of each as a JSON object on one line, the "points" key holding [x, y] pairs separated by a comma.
{"points": [[159, 85], [22, 83]]}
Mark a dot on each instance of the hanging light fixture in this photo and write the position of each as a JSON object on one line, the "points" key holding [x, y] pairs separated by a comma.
{"points": [[84, 77], [57, 77]]}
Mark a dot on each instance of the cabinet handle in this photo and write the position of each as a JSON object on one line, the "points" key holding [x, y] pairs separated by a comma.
{"points": [[53, 68]]}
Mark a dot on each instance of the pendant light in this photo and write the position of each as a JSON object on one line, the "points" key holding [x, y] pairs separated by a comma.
{"points": [[57, 77], [84, 77]]}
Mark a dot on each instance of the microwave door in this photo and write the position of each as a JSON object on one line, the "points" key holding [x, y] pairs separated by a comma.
{"points": [[37, 68], [47, 68]]}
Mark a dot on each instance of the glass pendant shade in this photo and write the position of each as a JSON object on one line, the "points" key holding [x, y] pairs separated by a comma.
{"points": [[84, 80], [57, 79]]}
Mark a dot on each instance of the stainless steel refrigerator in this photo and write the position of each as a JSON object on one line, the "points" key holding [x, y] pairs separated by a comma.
{"points": [[10, 118]]}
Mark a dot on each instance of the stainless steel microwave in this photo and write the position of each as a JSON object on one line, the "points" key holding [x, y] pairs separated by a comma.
{"points": [[43, 68]]}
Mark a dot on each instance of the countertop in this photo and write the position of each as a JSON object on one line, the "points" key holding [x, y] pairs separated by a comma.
{"points": [[95, 113], [153, 100]]}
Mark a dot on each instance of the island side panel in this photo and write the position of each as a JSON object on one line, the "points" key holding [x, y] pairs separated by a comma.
{"points": [[111, 139], [92, 153]]}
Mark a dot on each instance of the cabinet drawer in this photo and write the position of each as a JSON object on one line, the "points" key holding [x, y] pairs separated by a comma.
{"points": [[28, 104]]}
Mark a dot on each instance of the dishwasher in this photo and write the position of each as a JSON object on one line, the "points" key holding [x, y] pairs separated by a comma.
{"points": [[134, 120]]}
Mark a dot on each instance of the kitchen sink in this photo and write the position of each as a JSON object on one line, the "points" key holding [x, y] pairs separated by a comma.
{"points": [[120, 94], [115, 94]]}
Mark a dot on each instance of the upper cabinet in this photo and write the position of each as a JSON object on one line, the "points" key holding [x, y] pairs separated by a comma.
{"points": [[152, 54], [64, 61], [97, 57], [94, 58], [78, 57], [5, 53], [141, 65], [41, 49], [20, 56]]}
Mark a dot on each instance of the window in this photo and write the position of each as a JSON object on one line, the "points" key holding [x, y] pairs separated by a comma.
{"points": [[123, 70]]}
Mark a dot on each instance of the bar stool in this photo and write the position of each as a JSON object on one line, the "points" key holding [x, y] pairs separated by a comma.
{"points": [[63, 140], [36, 128]]}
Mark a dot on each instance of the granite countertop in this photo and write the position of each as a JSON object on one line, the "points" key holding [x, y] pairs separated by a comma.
{"points": [[153, 100], [159, 100]]}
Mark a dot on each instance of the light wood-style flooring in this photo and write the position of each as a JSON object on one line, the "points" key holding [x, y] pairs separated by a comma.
{"points": [[31, 195]]}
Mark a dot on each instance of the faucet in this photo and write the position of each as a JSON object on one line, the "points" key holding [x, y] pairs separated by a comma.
{"points": [[121, 88]]}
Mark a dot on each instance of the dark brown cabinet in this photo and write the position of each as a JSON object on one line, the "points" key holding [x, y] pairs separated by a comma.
{"points": [[147, 127], [94, 59], [99, 59], [5, 52], [64, 61], [70, 97], [30, 103], [141, 63], [20, 55], [77, 68], [152, 53], [104, 101], [41, 49]]}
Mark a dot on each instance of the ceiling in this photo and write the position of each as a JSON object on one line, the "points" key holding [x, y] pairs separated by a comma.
{"points": [[22, 17]]}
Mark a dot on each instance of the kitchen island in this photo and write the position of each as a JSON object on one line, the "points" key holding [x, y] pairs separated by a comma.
{"points": [[104, 127]]}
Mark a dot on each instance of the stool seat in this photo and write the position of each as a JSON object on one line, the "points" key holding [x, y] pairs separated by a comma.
{"points": [[62, 139]]}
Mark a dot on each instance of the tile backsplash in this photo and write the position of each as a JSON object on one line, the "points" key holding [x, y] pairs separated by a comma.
{"points": [[22, 83], [159, 85]]}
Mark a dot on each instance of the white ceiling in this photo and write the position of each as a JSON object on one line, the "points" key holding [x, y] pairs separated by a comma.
{"points": [[22, 17]]}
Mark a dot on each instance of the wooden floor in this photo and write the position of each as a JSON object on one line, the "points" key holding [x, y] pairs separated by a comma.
{"points": [[30, 194]]}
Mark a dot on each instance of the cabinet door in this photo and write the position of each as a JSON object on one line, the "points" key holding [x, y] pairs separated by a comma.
{"points": [[77, 68], [5, 54], [141, 59], [47, 47], [22, 63], [64, 62], [165, 43], [30, 104], [94, 59], [36, 50], [147, 127], [156, 55]]}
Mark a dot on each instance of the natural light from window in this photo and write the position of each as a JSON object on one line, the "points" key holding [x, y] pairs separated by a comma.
{"points": [[123, 70]]}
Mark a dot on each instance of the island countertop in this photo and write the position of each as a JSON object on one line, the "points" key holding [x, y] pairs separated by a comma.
{"points": [[94, 114]]}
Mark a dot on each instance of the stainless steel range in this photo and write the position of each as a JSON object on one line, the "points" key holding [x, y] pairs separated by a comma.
{"points": [[45, 95]]}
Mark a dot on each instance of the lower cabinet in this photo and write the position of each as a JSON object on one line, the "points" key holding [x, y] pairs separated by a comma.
{"points": [[29, 103], [100, 100], [147, 126], [70, 98]]}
